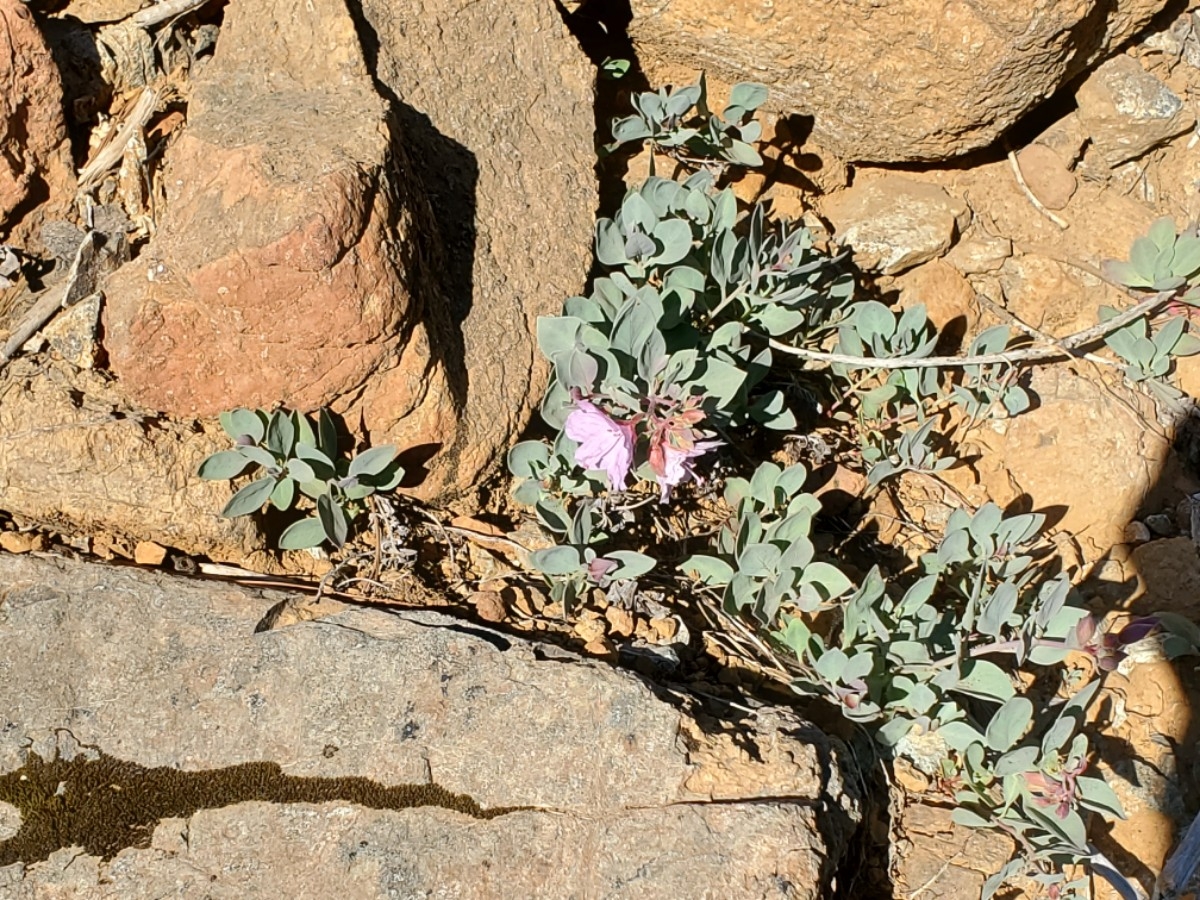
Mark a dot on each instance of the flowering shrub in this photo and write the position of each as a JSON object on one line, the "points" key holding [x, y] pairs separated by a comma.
{"points": [[684, 353]]}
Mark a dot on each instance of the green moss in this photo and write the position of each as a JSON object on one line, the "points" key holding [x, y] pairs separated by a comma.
{"points": [[107, 804]]}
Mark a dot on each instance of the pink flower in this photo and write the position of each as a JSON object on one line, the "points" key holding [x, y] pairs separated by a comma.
{"points": [[677, 466], [604, 442]]}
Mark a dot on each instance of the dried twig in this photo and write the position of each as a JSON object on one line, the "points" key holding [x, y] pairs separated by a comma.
{"points": [[1037, 204], [163, 10], [1063, 347], [81, 281], [111, 153]]}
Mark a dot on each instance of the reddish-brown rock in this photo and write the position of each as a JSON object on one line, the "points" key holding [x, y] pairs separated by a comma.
{"points": [[287, 266], [33, 135], [316, 250]]}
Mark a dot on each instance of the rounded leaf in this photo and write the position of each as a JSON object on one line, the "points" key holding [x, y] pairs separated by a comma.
{"points": [[224, 465], [373, 461], [284, 494], [333, 520], [556, 561], [303, 534], [281, 433], [1009, 724], [249, 499], [243, 422]]}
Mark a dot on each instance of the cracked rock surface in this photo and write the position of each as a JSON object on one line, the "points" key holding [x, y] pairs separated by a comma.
{"points": [[610, 791]]}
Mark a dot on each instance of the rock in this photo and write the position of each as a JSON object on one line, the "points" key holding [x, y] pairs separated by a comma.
{"points": [[946, 861], [98, 12], [1128, 112], [148, 553], [10, 821], [894, 223], [890, 82], [1168, 572], [1049, 295], [102, 468], [979, 255], [489, 605], [1083, 457], [72, 333], [621, 621], [948, 298], [1161, 524], [287, 265], [155, 671], [16, 542], [301, 260], [1046, 176], [33, 131], [498, 113], [1136, 533]]}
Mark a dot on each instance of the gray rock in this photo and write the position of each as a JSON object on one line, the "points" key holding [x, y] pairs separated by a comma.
{"points": [[496, 103], [1161, 524], [1128, 112], [613, 782], [894, 223]]}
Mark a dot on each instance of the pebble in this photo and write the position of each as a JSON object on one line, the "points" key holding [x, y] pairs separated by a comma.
{"points": [[590, 629], [664, 630], [1136, 532], [14, 542], [1161, 524], [489, 605], [621, 621], [148, 553], [598, 647]]}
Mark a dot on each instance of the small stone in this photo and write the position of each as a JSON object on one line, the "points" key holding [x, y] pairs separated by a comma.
{"points": [[975, 257], [590, 629], [621, 621], [489, 605], [148, 553], [1128, 112], [598, 647], [1161, 524], [1136, 532], [15, 542], [894, 223], [664, 629], [1047, 176], [909, 776]]}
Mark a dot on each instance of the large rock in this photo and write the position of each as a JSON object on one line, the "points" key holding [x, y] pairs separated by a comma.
{"points": [[33, 134], [891, 82], [72, 458], [1082, 454], [570, 776], [1127, 112], [893, 223], [287, 268], [326, 245], [497, 105]]}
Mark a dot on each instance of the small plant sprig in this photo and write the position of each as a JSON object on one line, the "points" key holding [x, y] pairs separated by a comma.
{"points": [[764, 562], [677, 123], [297, 460], [934, 660]]}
